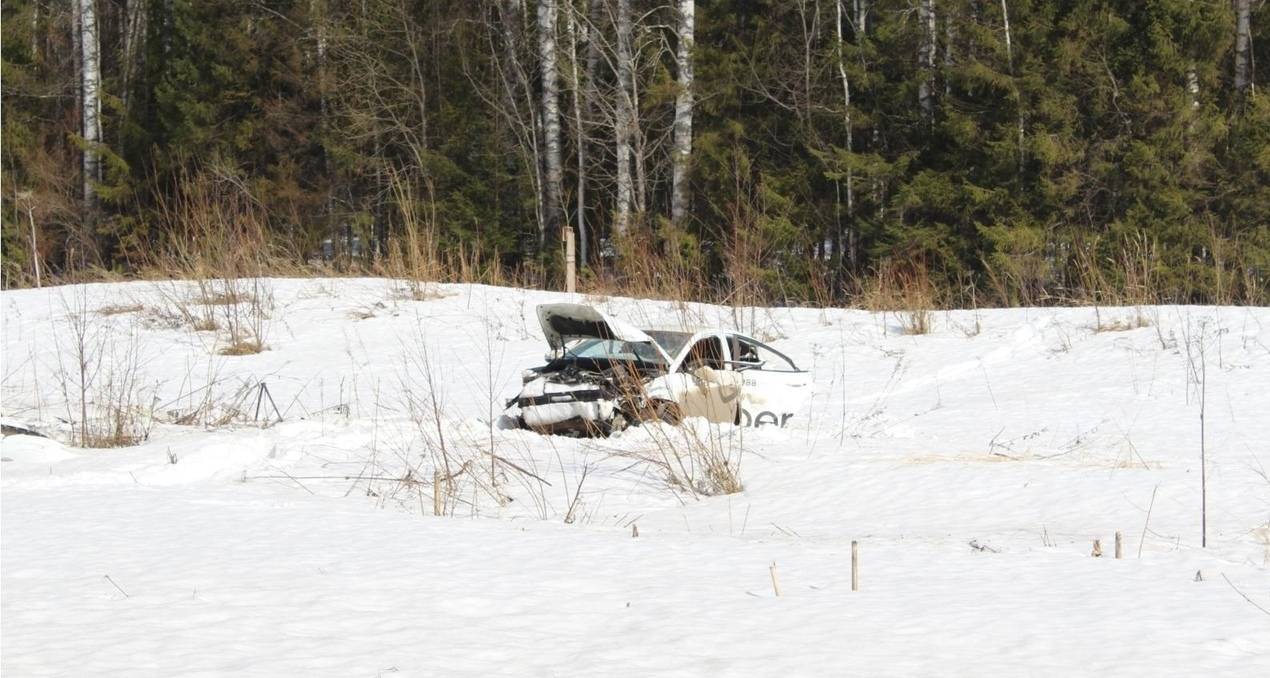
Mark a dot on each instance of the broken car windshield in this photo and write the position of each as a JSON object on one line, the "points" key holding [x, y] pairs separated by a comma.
{"points": [[612, 349]]}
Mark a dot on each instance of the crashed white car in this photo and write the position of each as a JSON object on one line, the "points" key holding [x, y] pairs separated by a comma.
{"points": [[603, 374]]}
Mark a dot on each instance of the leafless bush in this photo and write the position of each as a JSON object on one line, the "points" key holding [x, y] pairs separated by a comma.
{"points": [[108, 403], [246, 315], [697, 457]]}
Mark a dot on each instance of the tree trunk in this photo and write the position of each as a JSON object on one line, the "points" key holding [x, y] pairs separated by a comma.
{"points": [[846, 237], [624, 118], [521, 111], [134, 31], [1243, 45], [926, 60], [1009, 60], [554, 172], [950, 34], [683, 114], [580, 92], [91, 99]]}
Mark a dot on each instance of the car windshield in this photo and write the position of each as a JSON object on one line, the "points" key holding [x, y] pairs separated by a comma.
{"points": [[671, 342], [613, 350]]}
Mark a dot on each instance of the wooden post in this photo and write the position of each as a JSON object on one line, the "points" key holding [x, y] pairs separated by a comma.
{"points": [[1097, 552], [855, 565], [570, 262], [1119, 539], [438, 507], [776, 587], [35, 250]]}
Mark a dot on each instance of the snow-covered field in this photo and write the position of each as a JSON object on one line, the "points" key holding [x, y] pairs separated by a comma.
{"points": [[974, 465]]}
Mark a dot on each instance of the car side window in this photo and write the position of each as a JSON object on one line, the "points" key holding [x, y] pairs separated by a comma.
{"points": [[751, 355], [707, 352]]}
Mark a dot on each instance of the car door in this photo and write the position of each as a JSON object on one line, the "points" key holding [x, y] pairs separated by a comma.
{"points": [[774, 391], [702, 382]]}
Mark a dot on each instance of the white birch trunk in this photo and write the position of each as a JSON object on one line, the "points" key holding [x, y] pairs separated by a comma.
{"points": [[1009, 61], [554, 172], [624, 118], [683, 114], [91, 98], [639, 150], [926, 60], [950, 33], [846, 238], [1243, 45], [580, 91]]}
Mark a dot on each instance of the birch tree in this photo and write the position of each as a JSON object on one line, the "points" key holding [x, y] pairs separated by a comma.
{"points": [[1243, 45], [553, 172], [580, 91], [1009, 62], [90, 98], [624, 118], [683, 114], [846, 236], [926, 60]]}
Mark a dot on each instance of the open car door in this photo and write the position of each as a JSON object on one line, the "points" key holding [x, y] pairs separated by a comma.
{"points": [[774, 390]]}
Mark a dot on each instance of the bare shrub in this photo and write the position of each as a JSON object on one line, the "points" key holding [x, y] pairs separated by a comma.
{"points": [[246, 318], [108, 403], [697, 457]]}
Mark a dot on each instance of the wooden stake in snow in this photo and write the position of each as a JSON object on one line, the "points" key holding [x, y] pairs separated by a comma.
{"points": [[776, 587], [1119, 539], [437, 506], [855, 565], [570, 262], [1097, 552]]}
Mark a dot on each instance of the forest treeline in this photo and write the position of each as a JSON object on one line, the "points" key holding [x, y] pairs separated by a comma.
{"points": [[788, 151]]}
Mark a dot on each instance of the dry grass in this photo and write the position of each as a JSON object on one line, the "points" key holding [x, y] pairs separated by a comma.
{"points": [[212, 229], [242, 347], [1136, 321], [120, 309], [907, 292]]}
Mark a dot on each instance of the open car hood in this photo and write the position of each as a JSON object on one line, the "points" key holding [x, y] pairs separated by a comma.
{"points": [[564, 322]]}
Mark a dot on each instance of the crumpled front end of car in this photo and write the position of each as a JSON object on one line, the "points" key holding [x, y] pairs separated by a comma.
{"points": [[548, 406]]}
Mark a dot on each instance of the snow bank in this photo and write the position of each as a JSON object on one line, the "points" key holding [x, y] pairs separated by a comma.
{"points": [[307, 546]]}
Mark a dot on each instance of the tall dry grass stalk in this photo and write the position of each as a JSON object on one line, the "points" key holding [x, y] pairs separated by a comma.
{"points": [[905, 291]]}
